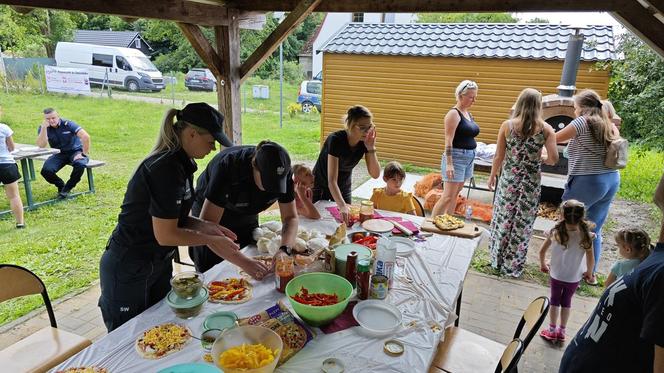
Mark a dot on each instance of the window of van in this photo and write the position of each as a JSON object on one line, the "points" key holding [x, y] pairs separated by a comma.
{"points": [[314, 88], [105, 60], [141, 63], [122, 63]]}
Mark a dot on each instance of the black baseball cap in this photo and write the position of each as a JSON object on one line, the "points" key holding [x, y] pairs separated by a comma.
{"points": [[205, 116], [274, 165]]}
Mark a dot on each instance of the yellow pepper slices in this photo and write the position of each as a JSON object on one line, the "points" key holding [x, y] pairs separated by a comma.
{"points": [[246, 357]]}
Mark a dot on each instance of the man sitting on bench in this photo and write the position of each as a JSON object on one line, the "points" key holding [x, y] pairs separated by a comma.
{"points": [[74, 145]]}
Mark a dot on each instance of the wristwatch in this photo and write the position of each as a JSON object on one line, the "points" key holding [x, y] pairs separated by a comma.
{"points": [[287, 249]]}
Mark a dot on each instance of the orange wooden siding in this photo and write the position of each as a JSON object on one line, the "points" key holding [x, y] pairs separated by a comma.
{"points": [[409, 96]]}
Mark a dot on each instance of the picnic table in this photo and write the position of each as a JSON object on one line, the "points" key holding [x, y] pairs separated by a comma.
{"points": [[26, 154], [426, 287]]}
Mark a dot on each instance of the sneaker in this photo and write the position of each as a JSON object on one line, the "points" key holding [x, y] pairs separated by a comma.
{"points": [[549, 335], [593, 281], [20, 226], [560, 335], [63, 195]]}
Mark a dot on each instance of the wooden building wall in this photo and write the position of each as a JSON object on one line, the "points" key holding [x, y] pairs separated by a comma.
{"points": [[409, 96]]}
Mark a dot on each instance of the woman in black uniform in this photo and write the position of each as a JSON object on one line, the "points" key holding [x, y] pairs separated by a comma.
{"points": [[341, 152], [236, 185], [154, 219]]}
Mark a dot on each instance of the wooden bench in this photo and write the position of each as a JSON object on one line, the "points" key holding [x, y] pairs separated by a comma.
{"points": [[88, 169]]}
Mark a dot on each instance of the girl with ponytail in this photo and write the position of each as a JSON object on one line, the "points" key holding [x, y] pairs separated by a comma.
{"points": [[570, 240], [633, 245]]}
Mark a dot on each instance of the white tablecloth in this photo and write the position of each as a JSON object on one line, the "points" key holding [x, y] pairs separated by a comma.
{"points": [[425, 291]]}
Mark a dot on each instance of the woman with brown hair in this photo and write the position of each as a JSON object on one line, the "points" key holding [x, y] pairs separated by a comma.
{"points": [[341, 152], [518, 158], [589, 180]]}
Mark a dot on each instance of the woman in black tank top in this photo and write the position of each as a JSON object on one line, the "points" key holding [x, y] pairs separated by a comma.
{"points": [[460, 133]]}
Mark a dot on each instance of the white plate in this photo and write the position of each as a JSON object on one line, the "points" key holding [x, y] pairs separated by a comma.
{"points": [[405, 246], [378, 225], [377, 318]]}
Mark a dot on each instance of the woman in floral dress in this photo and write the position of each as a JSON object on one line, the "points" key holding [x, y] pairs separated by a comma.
{"points": [[520, 143]]}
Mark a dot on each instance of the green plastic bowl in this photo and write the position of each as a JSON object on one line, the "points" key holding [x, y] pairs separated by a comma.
{"points": [[319, 282]]}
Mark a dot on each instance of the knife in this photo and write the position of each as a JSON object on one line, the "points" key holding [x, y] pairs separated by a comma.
{"points": [[404, 230]]}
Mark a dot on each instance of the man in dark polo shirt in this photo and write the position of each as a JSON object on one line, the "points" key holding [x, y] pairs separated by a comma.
{"points": [[236, 185], [625, 332], [74, 145]]}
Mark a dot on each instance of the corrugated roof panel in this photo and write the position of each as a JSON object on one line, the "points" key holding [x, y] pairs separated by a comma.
{"points": [[517, 41]]}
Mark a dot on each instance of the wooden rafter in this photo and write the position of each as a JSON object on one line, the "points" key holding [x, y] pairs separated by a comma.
{"points": [[294, 18], [433, 5], [227, 39], [203, 47], [643, 24], [172, 10]]}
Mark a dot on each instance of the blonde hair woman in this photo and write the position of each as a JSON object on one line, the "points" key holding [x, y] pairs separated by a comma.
{"points": [[518, 158], [154, 217], [341, 152], [589, 180], [460, 132]]}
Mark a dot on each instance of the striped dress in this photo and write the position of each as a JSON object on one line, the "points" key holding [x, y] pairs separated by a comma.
{"points": [[516, 202]]}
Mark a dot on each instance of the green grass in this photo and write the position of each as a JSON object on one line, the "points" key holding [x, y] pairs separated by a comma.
{"points": [[639, 179], [63, 242], [181, 93]]}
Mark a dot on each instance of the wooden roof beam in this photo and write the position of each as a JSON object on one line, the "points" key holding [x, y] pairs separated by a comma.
{"points": [[203, 47], [171, 10], [294, 18], [433, 5], [22, 9], [644, 25]]}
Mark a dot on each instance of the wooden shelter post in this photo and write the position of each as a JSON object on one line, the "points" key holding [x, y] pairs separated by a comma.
{"points": [[227, 39]]}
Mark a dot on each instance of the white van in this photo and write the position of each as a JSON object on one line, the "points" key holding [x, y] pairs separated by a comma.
{"points": [[126, 67]]}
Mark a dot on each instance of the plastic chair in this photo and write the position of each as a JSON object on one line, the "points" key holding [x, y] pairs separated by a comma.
{"points": [[419, 209], [532, 320], [45, 348], [510, 357]]}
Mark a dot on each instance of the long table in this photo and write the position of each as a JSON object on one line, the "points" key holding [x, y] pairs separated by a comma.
{"points": [[426, 287]]}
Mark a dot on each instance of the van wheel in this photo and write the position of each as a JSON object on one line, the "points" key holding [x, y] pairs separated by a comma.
{"points": [[132, 85], [307, 106]]}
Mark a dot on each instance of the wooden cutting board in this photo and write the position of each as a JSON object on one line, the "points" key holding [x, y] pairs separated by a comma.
{"points": [[469, 230]]}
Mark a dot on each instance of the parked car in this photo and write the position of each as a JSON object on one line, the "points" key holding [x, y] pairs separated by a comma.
{"points": [[309, 95], [200, 79], [119, 67]]}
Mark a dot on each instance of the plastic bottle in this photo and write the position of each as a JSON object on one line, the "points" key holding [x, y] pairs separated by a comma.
{"points": [[386, 255], [351, 267], [469, 212]]}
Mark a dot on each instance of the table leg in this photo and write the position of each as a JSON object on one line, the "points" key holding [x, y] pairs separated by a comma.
{"points": [[91, 180], [25, 169], [31, 165]]}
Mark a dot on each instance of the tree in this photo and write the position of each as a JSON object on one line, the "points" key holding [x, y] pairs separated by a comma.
{"points": [[466, 18], [637, 92]]}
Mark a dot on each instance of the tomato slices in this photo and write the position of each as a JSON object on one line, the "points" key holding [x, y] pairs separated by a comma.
{"points": [[368, 241], [315, 299]]}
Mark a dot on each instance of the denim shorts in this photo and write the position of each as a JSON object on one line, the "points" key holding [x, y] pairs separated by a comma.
{"points": [[462, 159]]}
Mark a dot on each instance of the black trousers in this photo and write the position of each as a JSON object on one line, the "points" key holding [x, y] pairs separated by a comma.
{"points": [[132, 280], [56, 162]]}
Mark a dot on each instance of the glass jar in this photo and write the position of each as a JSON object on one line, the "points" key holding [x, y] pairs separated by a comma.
{"points": [[284, 271], [366, 210]]}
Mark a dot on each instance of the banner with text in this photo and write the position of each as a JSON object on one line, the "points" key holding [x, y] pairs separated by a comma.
{"points": [[67, 80]]}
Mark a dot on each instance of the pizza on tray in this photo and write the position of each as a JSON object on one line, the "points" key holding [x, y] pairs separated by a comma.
{"points": [[84, 370], [162, 340], [230, 291], [447, 222]]}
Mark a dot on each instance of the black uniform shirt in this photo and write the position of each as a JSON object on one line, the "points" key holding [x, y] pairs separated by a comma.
{"points": [[337, 145], [228, 182], [161, 187]]}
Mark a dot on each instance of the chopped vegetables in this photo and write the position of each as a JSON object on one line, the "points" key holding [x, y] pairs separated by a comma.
{"points": [[246, 357], [315, 299], [368, 241]]}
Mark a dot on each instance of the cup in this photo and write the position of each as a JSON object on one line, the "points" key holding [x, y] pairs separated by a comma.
{"points": [[208, 337]]}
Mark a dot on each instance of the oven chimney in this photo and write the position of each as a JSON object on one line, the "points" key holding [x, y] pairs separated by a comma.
{"points": [[571, 65]]}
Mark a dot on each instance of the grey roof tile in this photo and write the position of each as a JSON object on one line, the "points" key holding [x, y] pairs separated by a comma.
{"points": [[483, 40], [108, 38]]}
